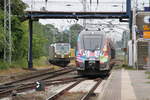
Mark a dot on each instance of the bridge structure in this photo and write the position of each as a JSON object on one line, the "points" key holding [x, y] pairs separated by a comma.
{"points": [[36, 15]]}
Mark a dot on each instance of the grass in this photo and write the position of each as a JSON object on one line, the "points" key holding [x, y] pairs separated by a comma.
{"points": [[15, 64], [42, 61], [117, 67], [4, 65], [148, 77], [125, 66], [147, 82], [22, 63], [148, 73]]}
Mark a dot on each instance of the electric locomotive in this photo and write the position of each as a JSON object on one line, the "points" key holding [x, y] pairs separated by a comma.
{"points": [[59, 54], [93, 53]]}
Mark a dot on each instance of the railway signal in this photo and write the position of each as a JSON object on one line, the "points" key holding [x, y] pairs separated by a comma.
{"points": [[40, 86]]}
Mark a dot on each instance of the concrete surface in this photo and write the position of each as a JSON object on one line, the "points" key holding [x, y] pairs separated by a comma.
{"points": [[126, 85], [84, 86]]}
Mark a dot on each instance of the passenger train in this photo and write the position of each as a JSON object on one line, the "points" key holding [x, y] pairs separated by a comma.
{"points": [[94, 53]]}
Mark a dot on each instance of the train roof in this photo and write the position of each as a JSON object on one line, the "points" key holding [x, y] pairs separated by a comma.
{"points": [[59, 43], [98, 33], [92, 32]]}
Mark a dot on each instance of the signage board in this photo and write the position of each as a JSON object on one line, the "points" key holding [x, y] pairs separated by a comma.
{"points": [[143, 21], [143, 24], [146, 35], [146, 27]]}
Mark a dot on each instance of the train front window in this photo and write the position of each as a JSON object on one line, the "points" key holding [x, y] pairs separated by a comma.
{"points": [[91, 42], [62, 48]]}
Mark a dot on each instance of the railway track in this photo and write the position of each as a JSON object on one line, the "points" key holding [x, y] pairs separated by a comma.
{"points": [[83, 96], [14, 88], [75, 80], [30, 86], [38, 76], [29, 82]]}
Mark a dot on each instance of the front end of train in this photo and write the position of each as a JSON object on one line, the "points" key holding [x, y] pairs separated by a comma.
{"points": [[62, 50], [92, 54], [61, 54]]}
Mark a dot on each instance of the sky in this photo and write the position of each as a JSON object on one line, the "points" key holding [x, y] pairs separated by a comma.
{"points": [[77, 5]]}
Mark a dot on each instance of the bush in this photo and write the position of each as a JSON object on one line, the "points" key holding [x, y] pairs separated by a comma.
{"points": [[22, 63], [3, 65], [41, 61]]}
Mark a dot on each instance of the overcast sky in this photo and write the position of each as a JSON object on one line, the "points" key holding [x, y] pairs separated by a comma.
{"points": [[76, 5]]}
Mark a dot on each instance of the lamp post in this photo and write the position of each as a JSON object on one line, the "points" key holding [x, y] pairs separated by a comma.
{"points": [[134, 34]]}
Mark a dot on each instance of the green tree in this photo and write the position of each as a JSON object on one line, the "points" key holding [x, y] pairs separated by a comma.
{"points": [[75, 30], [43, 36], [17, 9], [1, 32], [17, 6]]}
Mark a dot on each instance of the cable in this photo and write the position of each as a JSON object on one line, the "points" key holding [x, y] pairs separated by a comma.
{"points": [[90, 2], [97, 5]]}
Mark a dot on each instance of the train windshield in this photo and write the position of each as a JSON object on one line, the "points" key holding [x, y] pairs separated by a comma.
{"points": [[91, 42], [62, 48]]}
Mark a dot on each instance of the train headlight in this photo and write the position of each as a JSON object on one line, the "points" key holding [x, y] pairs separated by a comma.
{"points": [[81, 52], [55, 56], [84, 54], [97, 54]]}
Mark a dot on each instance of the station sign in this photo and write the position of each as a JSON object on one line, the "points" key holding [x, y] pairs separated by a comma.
{"points": [[143, 20], [143, 23]]}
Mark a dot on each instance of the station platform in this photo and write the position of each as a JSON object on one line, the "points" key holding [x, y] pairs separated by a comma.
{"points": [[126, 85]]}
